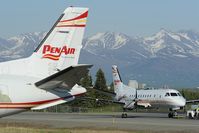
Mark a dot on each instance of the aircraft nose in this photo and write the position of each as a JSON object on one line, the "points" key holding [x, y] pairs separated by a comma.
{"points": [[182, 102]]}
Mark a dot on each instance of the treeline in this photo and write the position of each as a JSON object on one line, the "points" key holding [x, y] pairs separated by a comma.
{"points": [[190, 94], [89, 99]]}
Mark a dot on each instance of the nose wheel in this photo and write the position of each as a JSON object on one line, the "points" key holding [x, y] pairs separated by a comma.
{"points": [[124, 115], [172, 114]]}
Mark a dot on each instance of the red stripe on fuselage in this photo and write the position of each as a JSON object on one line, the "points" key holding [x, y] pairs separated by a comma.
{"points": [[27, 105]]}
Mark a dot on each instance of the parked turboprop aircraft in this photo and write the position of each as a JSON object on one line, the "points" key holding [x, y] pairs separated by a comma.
{"points": [[157, 98], [50, 75]]}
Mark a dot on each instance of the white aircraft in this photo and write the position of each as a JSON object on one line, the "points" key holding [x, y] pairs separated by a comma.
{"points": [[157, 98], [50, 75]]}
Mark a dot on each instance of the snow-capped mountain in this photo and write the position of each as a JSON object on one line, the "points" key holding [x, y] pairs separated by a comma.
{"points": [[107, 40], [165, 43], [164, 58], [114, 45], [20, 46], [26, 43]]}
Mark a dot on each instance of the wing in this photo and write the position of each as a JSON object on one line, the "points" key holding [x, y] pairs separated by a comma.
{"points": [[192, 101], [65, 79], [102, 100]]}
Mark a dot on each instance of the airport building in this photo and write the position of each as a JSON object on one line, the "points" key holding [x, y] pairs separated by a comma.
{"points": [[135, 84]]}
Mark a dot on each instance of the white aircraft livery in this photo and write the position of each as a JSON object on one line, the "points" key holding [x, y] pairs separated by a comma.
{"points": [[50, 75], [157, 98]]}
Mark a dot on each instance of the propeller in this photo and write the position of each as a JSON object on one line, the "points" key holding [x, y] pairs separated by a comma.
{"points": [[136, 98]]}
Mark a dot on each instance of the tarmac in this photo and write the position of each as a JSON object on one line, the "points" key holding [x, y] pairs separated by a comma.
{"points": [[149, 122]]}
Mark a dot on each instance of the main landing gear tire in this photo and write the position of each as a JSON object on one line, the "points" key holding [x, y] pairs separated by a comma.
{"points": [[172, 114], [124, 115]]}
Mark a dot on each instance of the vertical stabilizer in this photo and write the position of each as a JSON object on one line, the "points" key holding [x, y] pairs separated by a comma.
{"points": [[61, 47], [116, 79], [122, 91]]}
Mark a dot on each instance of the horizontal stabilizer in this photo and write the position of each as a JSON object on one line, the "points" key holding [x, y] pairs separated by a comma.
{"points": [[65, 79], [107, 93]]}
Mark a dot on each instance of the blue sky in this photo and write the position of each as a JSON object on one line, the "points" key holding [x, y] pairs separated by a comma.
{"points": [[133, 17]]}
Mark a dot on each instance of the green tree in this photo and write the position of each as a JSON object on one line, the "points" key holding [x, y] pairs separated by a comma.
{"points": [[190, 94], [100, 82], [85, 82], [111, 87]]}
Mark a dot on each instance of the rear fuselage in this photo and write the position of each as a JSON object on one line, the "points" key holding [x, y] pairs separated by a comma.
{"points": [[18, 93]]}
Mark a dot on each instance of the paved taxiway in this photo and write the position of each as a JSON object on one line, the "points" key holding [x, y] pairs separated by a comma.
{"points": [[136, 121]]}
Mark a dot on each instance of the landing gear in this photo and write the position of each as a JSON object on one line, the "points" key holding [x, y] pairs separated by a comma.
{"points": [[124, 115], [172, 114]]}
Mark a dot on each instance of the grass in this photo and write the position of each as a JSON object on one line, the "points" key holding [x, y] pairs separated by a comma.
{"points": [[76, 130], [42, 130], [20, 127], [10, 127]]}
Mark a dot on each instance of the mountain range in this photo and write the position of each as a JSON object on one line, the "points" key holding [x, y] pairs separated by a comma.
{"points": [[165, 58]]}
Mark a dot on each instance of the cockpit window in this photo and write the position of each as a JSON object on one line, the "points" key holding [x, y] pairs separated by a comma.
{"points": [[174, 94], [167, 94], [179, 94]]}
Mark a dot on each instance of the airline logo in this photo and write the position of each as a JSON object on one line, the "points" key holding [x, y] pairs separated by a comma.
{"points": [[54, 53], [116, 82]]}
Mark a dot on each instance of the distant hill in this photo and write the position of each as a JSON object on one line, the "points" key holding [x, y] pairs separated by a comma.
{"points": [[166, 57]]}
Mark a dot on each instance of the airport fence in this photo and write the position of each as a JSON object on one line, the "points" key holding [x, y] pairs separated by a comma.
{"points": [[114, 108]]}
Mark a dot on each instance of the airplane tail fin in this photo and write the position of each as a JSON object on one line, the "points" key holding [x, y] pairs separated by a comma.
{"points": [[121, 89], [117, 81], [61, 47]]}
